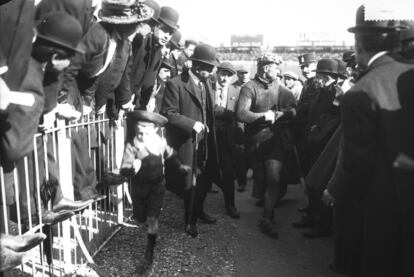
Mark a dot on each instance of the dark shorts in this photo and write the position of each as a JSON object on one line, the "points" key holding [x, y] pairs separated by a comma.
{"points": [[147, 199]]}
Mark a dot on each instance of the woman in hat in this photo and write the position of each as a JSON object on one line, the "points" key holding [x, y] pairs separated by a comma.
{"points": [[143, 160]]}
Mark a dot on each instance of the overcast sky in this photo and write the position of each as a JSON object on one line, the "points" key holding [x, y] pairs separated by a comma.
{"points": [[214, 21]]}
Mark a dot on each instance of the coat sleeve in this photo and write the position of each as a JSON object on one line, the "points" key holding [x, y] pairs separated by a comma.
{"points": [[171, 109], [358, 125], [223, 113], [19, 123], [128, 158], [123, 92], [287, 104]]}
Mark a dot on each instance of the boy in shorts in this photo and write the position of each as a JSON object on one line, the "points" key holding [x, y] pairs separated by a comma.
{"points": [[143, 161]]}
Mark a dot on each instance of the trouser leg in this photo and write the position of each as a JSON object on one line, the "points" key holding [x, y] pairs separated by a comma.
{"points": [[272, 192]]}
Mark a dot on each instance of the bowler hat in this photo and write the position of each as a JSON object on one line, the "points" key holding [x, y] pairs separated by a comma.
{"points": [[124, 11], [175, 40], [61, 29], [156, 7], [169, 17], [408, 33], [348, 56], [307, 58], [291, 75], [342, 72], [205, 53], [165, 63], [141, 115], [375, 26], [226, 66], [328, 66]]}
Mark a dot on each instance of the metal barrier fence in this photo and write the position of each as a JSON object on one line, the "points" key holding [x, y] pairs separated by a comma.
{"points": [[76, 240]]}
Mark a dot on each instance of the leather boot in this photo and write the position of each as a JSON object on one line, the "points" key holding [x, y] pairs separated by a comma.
{"points": [[146, 263]]}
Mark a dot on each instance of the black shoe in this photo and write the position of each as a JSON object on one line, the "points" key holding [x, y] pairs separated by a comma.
{"points": [[241, 188], [304, 222], [191, 229], [69, 205], [143, 266], [206, 219], [317, 233], [268, 227], [232, 212]]}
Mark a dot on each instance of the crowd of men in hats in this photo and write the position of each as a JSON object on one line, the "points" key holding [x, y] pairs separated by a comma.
{"points": [[347, 128]]}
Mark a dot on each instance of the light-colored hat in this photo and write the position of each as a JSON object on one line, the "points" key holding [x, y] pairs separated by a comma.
{"points": [[291, 75], [124, 11]]}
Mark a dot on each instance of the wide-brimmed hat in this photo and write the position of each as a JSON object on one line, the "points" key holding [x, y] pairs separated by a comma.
{"points": [[205, 53], [327, 66], [374, 26], [227, 66], [307, 58], [175, 40], [124, 11], [169, 17], [61, 29], [141, 115]]}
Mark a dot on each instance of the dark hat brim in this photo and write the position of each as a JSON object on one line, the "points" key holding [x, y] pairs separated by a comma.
{"points": [[140, 115], [376, 29], [64, 45], [214, 63], [169, 24], [165, 64]]}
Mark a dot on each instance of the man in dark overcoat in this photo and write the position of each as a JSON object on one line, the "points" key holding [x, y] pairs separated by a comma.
{"points": [[188, 105], [378, 120]]}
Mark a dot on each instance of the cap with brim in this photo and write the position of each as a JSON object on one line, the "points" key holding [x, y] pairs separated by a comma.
{"points": [[124, 12], [307, 59], [226, 66], [145, 116], [327, 66], [190, 41], [291, 75]]}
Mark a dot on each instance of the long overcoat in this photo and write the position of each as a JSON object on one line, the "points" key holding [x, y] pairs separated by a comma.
{"points": [[182, 106], [378, 120]]}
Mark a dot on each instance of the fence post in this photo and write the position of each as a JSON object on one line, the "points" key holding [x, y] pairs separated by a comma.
{"points": [[65, 171], [119, 150]]}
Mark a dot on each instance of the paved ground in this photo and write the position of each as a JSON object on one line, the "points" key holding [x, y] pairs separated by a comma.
{"points": [[228, 248], [288, 256]]}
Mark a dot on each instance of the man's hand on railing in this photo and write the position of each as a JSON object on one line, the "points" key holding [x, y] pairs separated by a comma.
{"points": [[128, 106], [49, 120], [67, 111], [86, 110]]}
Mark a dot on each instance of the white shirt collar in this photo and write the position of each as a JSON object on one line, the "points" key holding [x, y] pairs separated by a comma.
{"points": [[376, 57], [194, 77]]}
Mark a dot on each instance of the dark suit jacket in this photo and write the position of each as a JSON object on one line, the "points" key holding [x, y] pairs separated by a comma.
{"points": [[182, 106], [378, 120], [146, 63]]}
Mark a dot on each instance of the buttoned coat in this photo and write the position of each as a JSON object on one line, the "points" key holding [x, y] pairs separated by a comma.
{"points": [[378, 120], [182, 106]]}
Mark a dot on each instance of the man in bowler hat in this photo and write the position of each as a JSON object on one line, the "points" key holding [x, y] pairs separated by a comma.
{"points": [[188, 105]]}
